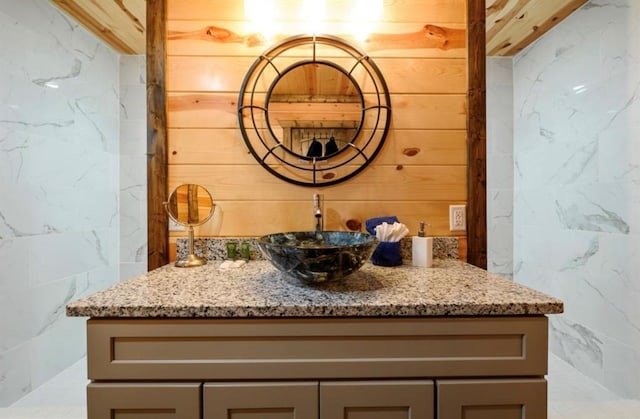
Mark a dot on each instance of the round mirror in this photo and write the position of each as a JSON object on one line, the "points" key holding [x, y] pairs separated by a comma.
{"points": [[314, 110], [190, 205]]}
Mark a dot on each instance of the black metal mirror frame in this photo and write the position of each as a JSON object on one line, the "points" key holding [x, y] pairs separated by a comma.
{"points": [[269, 150]]}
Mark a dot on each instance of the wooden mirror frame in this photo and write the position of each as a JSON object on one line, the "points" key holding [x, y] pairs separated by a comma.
{"points": [[157, 219]]}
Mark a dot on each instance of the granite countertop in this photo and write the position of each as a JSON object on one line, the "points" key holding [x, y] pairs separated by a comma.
{"points": [[257, 289]]}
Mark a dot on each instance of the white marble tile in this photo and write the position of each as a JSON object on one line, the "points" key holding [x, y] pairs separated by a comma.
{"points": [[133, 166], [133, 137], [500, 165], [57, 348], [578, 345], [133, 226], [59, 150], [500, 206], [15, 374], [17, 322], [131, 270], [500, 132], [577, 190], [66, 389], [133, 102], [56, 256], [133, 70]]}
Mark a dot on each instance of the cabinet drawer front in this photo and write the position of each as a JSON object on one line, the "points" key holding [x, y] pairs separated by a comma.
{"points": [[316, 348], [492, 399], [377, 399], [143, 400], [261, 400]]}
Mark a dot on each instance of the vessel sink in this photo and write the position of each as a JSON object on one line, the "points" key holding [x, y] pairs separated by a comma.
{"points": [[314, 257]]}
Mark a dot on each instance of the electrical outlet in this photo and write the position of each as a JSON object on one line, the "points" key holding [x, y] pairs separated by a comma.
{"points": [[457, 217]]}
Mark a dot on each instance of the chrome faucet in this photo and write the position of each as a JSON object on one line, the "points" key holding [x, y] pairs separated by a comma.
{"points": [[317, 212]]}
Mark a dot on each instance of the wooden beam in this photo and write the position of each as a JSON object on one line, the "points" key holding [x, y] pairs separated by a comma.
{"points": [[157, 168], [119, 23], [477, 141], [512, 25]]}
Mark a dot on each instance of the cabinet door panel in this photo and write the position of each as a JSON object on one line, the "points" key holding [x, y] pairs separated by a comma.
{"points": [[143, 401], [377, 400], [492, 399], [261, 400]]}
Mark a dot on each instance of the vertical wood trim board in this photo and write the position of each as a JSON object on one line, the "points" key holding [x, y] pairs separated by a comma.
{"points": [[157, 168], [476, 131]]}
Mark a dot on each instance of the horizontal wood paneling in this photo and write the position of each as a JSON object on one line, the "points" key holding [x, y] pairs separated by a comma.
{"points": [[404, 147], [396, 11], [194, 37], [219, 110], [421, 169], [376, 183], [251, 218], [408, 75]]}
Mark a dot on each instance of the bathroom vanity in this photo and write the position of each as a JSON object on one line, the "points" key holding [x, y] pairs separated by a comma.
{"points": [[452, 341]]}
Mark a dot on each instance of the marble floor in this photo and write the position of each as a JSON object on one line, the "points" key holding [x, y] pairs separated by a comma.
{"points": [[571, 396]]}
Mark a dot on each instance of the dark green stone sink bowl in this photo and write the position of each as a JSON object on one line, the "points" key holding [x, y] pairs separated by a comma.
{"points": [[315, 258]]}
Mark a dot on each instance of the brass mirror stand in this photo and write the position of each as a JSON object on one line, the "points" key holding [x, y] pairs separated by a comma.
{"points": [[190, 205], [191, 259]]}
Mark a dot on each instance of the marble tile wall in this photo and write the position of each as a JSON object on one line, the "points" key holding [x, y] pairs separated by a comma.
{"points": [[577, 186], [500, 165], [59, 187], [133, 166]]}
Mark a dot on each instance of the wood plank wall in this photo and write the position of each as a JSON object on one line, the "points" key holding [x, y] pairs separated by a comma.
{"points": [[421, 170]]}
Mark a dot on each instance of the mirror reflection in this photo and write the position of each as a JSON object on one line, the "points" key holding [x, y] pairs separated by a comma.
{"points": [[315, 109], [190, 205]]}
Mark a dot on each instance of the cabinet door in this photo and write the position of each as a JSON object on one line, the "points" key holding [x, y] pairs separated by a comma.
{"points": [[261, 400], [377, 400], [492, 399], [143, 401]]}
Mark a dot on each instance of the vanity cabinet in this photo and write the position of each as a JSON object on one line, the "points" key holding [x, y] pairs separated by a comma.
{"points": [[327, 368]]}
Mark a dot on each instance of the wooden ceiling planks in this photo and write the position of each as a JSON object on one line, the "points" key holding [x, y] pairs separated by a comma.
{"points": [[512, 25], [120, 23]]}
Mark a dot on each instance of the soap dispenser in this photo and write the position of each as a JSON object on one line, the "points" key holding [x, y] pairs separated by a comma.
{"points": [[422, 248]]}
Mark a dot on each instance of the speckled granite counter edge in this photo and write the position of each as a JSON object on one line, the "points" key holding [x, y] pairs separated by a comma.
{"points": [[466, 310], [450, 288]]}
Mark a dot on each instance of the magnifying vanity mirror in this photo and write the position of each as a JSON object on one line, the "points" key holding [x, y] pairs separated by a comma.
{"points": [[190, 205], [314, 110]]}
